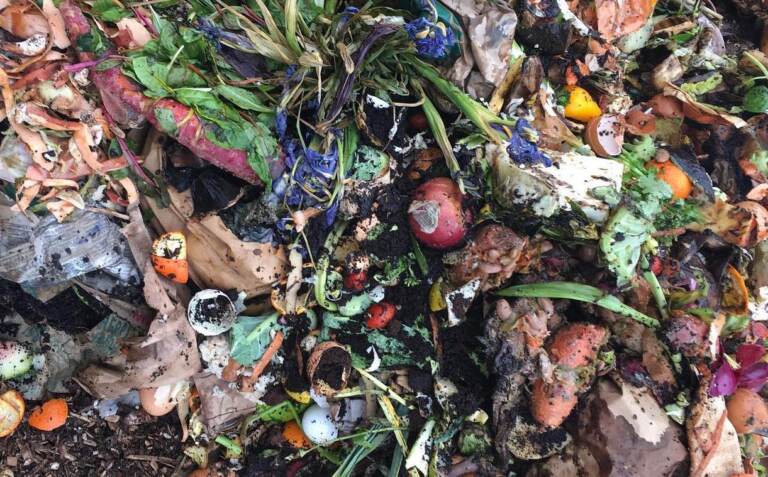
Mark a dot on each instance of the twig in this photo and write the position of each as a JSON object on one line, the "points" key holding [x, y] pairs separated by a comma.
{"points": [[108, 212], [166, 461]]}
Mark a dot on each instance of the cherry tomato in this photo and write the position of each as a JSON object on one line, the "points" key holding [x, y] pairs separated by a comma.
{"points": [[379, 315], [656, 266], [418, 121], [355, 281]]}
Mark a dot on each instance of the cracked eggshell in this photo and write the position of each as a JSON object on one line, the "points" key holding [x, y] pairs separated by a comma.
{"points": [[211, 312], [605, 135], [318, 425], [329, 361], [158, 401]]}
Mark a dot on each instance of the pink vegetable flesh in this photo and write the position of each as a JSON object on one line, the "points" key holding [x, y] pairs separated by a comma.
{"points": [[436, 216]]}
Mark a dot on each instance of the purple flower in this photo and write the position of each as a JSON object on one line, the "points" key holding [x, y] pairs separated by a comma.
{"points": [[330, 213], [344, 90], [521, 149], [752, 372], [281, 123], [432, 40]]}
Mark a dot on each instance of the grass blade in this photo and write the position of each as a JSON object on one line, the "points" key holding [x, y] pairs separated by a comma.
{"points": [[578, 292]]}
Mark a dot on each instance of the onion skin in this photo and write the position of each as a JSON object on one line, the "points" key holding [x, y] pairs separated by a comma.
{"points": [[450, 226]]}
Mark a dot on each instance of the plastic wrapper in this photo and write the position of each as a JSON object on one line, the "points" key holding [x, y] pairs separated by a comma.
{"points": [[50, 253]]}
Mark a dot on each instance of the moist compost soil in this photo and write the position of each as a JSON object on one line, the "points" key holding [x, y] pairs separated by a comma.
{"points": [[134, 444]]}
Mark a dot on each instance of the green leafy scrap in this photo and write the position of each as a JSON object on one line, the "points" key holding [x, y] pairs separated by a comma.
{"points": [[109, 10], [251, 335], [242, 98], [621, 243]]}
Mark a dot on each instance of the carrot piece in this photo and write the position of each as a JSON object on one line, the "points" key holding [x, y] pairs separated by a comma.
{"points": [[573, 347], [552, 403], [263, 362], [576, 345], [51, 415]]}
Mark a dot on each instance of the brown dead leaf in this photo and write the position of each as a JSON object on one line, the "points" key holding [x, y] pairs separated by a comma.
{"points": [[217, 257], [712, 440]]}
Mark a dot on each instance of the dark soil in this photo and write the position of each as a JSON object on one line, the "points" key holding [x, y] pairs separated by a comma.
{"points": [[73, 310], [135, 444]]}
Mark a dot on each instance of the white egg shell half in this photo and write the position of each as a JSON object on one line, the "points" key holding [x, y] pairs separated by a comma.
{"points": [[318, 425], [211, 312]]}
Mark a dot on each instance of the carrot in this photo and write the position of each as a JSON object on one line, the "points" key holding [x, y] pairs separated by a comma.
{"points": [[553, 402], [574, 346], [263, 362]]}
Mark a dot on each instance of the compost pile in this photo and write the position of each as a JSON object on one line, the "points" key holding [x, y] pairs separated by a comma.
{"points": [[411, 238]]}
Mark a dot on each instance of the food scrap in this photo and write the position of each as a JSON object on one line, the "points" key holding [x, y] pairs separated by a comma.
{"points": [[384, 238]]}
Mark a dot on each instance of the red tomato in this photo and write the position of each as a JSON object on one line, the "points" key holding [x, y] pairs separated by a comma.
{"points": [[656, 266], [379, 315], [355, 281], [418, 121]]}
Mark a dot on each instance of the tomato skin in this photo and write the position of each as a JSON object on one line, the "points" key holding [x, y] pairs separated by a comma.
{"points": [[379, 315], [656, 266], [355, 281], [418, 121]]}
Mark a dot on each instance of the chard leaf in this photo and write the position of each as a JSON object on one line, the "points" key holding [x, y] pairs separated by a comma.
{"points": [[167, 121], [262, 151], [108, 10], [201, 98], [251, 335], [146, 76], [242, 98]]}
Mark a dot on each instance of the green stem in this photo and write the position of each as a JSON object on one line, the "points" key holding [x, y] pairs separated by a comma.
{"points": [[578, 292], [437, 126], [291, 14], [323, 263], [481, 116]]}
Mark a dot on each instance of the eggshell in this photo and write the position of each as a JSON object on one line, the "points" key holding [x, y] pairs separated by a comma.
{"points": [[318, 425], [211, 312], [157, 401], [321, 387], [605, 135]]}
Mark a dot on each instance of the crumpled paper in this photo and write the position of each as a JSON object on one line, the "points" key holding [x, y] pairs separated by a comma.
{"points": [[168, 353], [491, 31], [217, 257], [221, 406]]}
